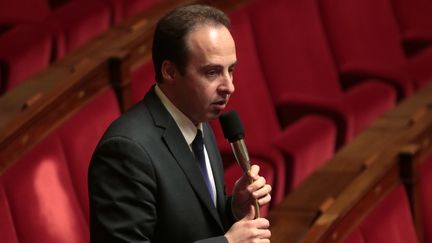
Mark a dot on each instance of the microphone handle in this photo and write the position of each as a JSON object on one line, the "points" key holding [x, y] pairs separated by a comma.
{"points": [[242, 157]]}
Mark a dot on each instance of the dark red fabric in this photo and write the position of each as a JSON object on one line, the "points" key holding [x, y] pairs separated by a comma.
{"points": [[23, 11], [24, 50], [122, 9], [390, 221], [42, 199], [253, 102], [414, 18], [301, 73], [308, 144], [354, 237], [142, 79], [7, 228], [426, 197], [80, 135], [368, 101], [77, 22], [365, 41], [420, 68]]}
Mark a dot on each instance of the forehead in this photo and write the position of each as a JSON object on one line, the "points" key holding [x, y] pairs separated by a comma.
{"points": [[209, 43]]}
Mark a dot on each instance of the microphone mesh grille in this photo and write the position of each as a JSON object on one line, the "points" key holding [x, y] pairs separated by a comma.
{"points": [[231, 126]]}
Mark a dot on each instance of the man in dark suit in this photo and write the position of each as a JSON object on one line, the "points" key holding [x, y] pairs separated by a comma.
{"points": [[157, 175]]}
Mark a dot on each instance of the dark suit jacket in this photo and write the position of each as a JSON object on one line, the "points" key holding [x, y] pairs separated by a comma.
{"points": [[145, 184]]}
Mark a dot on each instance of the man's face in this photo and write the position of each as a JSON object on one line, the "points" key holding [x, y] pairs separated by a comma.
{"points": [[204, 89]]}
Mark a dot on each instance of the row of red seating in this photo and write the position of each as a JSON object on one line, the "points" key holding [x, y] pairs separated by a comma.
{"points": [[43, 196], [34, 33], [287, 141]]}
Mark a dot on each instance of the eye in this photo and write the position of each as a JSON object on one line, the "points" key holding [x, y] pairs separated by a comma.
{"points": [[212, 73]]}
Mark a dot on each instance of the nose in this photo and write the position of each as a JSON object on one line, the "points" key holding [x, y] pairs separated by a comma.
{"points": [[227, 85]]}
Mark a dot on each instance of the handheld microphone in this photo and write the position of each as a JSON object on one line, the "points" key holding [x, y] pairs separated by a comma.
{"points": [[233, 131]]}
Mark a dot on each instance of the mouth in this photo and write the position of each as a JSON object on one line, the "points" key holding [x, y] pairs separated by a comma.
{"points": [[220, 105]]}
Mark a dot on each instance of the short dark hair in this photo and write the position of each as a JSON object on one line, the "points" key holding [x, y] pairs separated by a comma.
{"points": [[169, 41]]}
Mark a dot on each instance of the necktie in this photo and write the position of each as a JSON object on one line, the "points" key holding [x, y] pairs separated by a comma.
{"points": [[198, 149]]}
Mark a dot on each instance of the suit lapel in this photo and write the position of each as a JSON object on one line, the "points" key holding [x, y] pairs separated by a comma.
{"points": [[181, 152]]}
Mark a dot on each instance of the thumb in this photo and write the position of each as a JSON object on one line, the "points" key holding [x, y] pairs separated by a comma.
{"points": [[251, 214]]}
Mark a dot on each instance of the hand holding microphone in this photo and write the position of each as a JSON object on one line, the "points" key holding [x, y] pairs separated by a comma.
{"points": [[234, 133]]}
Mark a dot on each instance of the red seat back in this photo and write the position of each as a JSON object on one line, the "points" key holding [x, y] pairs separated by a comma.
{"points": [[426, 197], [296, 58], [251, 97], [80, 135], [7, 228], [42, 198], [24, 50], [415, 22], [365, 40], [24, 11]]}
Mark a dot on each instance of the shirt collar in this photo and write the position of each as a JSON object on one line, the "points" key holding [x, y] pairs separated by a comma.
{"points": [[187, 128]]}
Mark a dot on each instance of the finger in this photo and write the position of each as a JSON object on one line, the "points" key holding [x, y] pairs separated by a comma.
{"points": [[254, 171], [264, 200], [257, 184], [261, 192], [261, 234], [262, 223]]}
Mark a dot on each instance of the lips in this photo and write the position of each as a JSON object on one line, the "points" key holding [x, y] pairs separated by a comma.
{"points": [[220, 105]]}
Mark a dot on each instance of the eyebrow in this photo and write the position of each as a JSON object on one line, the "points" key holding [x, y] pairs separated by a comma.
{"points": [[211, 65]]}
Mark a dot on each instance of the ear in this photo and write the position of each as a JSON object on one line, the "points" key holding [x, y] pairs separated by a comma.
{"points": [[169, 71]]}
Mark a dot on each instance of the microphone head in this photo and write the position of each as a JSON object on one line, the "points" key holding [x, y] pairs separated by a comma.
{"points": [[231, 126]]}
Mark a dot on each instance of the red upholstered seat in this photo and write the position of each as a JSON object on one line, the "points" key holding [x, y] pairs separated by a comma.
{"points": [[24, 11], [141, 80], [76, 22], [7, 228], [300, 71], [262, 130], [366, 41], [233, 172], [80, 135], [390, 221], [415, 22], [24, 50], [426, 197], [123, 9], [42, 198], [355, 237], [73, 22]]}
